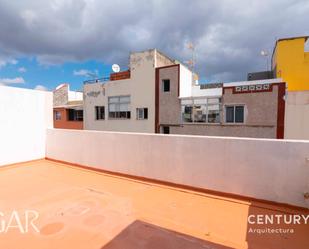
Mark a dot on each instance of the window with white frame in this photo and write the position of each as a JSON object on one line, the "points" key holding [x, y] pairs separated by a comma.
{"points": [[119, 107], [57, 115], [141, 113], [201, 110], [234, 114], [100, 112]]}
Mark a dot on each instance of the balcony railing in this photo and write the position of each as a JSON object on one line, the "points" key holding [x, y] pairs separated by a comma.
{"points": [[113, 76], [100, 80]]}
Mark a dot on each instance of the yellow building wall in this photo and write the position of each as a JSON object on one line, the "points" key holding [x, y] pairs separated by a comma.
{"points": [[292, 63]]}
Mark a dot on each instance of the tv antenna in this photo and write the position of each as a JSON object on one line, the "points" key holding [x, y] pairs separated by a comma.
{"points": [[192, 61], [265, 53], [116, 68]]}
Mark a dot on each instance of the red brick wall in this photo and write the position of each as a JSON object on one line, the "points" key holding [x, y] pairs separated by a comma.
{"points": [[63, 123]]}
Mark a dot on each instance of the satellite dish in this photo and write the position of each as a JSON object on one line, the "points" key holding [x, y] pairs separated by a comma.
{"points": [[264, 53], [115, 68]]}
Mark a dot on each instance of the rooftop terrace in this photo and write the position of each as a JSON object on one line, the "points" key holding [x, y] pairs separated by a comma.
{"points": [[103, 190], [82, 208]]}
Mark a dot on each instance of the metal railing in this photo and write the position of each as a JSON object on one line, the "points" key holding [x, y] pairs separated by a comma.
{"points": [[99, 80]]}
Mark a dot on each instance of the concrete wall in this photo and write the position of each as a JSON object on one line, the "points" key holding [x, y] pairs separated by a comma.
{"points": [[230, 130], [274, 170], [185, 82], [169, 103], [211, 92], [60, 95], [297, 115], [25, 115]]}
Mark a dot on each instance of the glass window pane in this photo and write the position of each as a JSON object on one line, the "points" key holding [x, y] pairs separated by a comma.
{"points": [[239, 114], [186, 113], [123, 107], [166, 85], [229, 114], [199, 112], [214, 107], [125, 99], [113, 99], [140, 113], [213, 116], [213, 101], [200, 101], [186, 101], [112, 107], [145, 113]]}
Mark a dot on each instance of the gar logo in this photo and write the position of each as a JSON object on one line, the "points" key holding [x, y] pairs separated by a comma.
{"points": [[22, 221]]}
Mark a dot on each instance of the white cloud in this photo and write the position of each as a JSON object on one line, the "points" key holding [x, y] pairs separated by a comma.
{"points": [[228, 38], [4, 62], [7, 81], [22, 70], [85, 73], [41, 88]]}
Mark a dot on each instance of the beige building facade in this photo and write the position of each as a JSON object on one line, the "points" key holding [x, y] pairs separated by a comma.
{"points": [[125, 103], [297, 115]]}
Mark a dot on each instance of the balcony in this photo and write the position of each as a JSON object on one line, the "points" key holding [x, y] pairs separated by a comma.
{"points": [[121, 75], [104, 190], [113, 76]]}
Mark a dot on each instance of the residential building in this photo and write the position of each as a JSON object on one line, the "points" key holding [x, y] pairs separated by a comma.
{"points": [[290, 62], [242, 109], [68, 108], [158, 94], [126, 101]]}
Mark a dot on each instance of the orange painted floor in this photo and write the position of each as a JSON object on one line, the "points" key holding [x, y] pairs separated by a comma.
{"points": [[80, 208]]}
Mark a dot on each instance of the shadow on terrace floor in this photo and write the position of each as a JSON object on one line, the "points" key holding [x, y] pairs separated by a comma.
{"points": [[142, 235]]}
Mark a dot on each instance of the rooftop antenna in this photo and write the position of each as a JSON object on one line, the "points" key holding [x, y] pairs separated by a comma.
{"points": [[192, 61], [116, 68], [265, 53]]}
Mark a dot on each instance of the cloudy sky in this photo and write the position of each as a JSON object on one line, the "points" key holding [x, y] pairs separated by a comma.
{"points": [[44, 43]]}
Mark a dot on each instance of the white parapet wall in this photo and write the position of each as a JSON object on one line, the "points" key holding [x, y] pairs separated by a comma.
{"points": [[274, 170], [24, 116]]}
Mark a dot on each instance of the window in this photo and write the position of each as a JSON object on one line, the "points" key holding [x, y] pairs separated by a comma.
{"points": [[75, 115], [187, 113], [166, 129], [201, 110], [119, 107], [141, 113], [99, 112], [57, 115], [234, 114], [166, 85]]}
